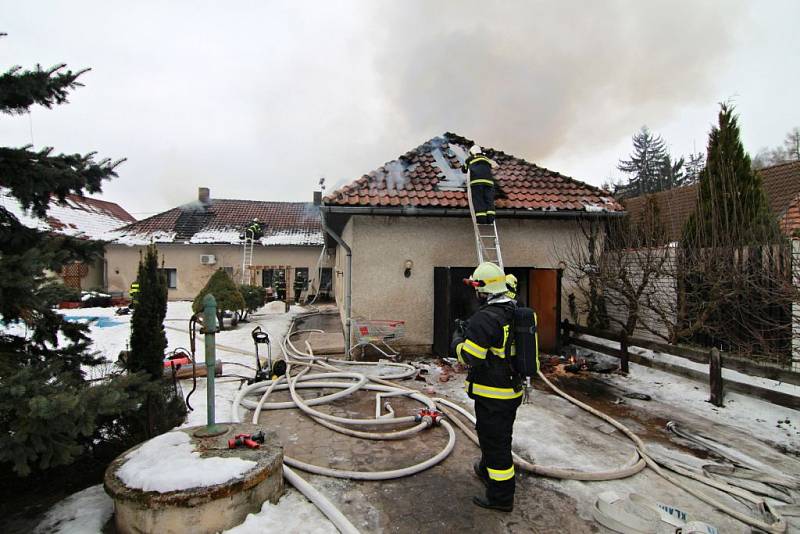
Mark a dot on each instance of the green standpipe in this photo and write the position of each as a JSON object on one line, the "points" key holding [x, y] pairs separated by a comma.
{"points": [[210, 327]]}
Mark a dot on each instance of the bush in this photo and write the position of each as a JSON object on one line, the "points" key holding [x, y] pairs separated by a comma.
{"points": [[225, 292], [254, 297]]}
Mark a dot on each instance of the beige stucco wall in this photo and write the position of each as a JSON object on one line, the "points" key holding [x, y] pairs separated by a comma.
{"points": [[381, 245], [123, 262]]}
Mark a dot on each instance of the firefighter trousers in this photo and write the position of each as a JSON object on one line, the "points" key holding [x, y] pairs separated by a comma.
{"points": [[495, 425], [483, 202]]}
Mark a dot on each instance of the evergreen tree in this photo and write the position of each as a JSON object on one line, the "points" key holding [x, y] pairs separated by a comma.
{"points": [[694, 166], [645, 165], [732, 208], [671, 173], [225, 293], [148, 338], [48, 412]]}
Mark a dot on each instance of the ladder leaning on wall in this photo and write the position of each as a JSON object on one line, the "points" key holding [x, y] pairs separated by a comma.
{"points": [[247, 257], [486, 241]]}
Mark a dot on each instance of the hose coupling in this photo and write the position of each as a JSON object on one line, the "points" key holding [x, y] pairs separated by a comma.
{"points": [[431, 417]]}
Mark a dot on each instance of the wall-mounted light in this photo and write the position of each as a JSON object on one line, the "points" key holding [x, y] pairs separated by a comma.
{"points": [[116, 271], [408, 265]]}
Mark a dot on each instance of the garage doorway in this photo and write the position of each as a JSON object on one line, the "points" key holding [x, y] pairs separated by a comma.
{"points": [[537, 288]]}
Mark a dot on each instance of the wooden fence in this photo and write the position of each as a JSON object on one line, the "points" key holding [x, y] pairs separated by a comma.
{"points": [[713, 358]]}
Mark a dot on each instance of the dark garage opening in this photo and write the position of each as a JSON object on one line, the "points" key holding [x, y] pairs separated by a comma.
{"points": [[538, 288]]}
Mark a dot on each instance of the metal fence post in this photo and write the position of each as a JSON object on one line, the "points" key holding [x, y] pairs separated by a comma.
{"points": [[210, 328]]}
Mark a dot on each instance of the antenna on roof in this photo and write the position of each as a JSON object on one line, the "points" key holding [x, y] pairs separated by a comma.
{"points": [[322, 183]]}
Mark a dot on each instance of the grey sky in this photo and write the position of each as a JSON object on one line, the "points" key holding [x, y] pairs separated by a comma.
{"points": [[259, 99]]}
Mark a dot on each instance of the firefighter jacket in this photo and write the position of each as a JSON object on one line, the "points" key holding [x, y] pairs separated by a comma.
{"points": [[480, 170], [486, 348]]}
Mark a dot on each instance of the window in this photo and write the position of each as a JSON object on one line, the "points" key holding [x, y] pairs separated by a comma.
{"points": [[229, 271], [172, 277]]}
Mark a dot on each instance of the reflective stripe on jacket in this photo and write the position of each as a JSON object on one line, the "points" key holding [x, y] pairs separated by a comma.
{"points": [[486, 349]]}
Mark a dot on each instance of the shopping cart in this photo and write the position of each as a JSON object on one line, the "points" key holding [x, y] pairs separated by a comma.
{"points": [[369, 332]]}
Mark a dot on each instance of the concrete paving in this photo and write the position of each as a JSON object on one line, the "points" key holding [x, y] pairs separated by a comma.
{"points": [[436, 500]]}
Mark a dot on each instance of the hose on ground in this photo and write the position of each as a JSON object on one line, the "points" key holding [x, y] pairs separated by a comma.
{"points": [[330, 369]]}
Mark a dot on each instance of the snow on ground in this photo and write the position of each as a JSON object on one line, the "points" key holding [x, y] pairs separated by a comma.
{"points": [[84, 512], [293, 513], [754, 416], [169, 463]]}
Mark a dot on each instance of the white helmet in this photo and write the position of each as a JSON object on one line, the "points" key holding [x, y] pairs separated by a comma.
{"points": [[475, 150]]}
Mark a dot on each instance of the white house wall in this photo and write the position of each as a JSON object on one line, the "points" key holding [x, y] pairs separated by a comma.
{"points": [[123, 261], [381, 246]]}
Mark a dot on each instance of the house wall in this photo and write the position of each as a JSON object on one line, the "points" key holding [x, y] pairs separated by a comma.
{"points": [[381, 246], [123, 262]]}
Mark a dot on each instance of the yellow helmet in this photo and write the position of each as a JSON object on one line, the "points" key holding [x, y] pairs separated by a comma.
{"points": [[489, 278], [511, 284]]}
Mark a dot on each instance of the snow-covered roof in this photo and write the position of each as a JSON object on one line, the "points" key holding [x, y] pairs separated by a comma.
{"points": [[223, 221], [82, 217]]}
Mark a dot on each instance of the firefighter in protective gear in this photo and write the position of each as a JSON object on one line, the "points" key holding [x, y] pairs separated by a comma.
{"points": [[133, 293], [481, 183], [255, 230], [511, 286], [485, 346]]}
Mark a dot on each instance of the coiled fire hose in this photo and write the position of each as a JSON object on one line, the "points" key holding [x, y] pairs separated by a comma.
{"points": [[307, 361]]}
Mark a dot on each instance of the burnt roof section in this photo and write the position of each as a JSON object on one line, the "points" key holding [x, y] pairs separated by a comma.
{"points": [[781, 185], [222, 221], [429, 176]]}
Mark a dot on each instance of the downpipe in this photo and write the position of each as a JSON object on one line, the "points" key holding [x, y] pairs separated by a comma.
{"points": [[349, 284]]}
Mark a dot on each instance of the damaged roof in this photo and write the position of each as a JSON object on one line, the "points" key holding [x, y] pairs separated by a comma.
{"points": [[222, 221], [781, 185], [430, 176], [77, 216]]}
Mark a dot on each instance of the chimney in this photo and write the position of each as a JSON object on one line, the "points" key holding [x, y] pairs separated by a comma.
{"points": [[317, 198], [204, 195]]}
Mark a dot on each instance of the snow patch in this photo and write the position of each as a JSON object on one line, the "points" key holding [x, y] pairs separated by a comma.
{"points": [[133, 239], [293, 513], [84, 512], [229, 235], [169, 463]]}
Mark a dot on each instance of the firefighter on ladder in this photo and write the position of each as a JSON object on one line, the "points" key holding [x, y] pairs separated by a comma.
{"points": [[484, 345], [481, 183]]}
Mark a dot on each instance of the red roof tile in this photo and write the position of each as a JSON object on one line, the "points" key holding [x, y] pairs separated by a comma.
{"points": [[432, 170]]}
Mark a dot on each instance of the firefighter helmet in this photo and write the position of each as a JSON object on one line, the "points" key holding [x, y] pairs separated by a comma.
{"points": [[475, 150], [511, 283], [490, 278]]}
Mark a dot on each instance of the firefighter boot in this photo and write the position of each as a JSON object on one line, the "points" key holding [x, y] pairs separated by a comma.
{"points": [[483, 502], [481, 473]]}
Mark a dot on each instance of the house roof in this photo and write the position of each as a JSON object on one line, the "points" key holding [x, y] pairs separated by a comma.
{"points": [[429, 176], [781, 185], [77, 216], [222, 221]]}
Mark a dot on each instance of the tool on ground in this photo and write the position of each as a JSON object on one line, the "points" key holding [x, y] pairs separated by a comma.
{"points": [[262, 373], [251, 441]]}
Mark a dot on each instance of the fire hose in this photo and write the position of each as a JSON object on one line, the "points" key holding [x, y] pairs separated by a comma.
{"points": [[306, 361]]}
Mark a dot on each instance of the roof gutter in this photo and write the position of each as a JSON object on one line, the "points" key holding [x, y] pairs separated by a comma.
{"points": [[412, 211], [349, 285]]}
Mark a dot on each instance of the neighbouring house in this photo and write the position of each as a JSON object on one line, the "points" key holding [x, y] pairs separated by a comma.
{"points": [[208, 234], [80, 217], [781, 184], [408, 228]]}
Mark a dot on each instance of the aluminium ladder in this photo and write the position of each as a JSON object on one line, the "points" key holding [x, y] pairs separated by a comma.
{"points": [[247, 258], [486, 241]]}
